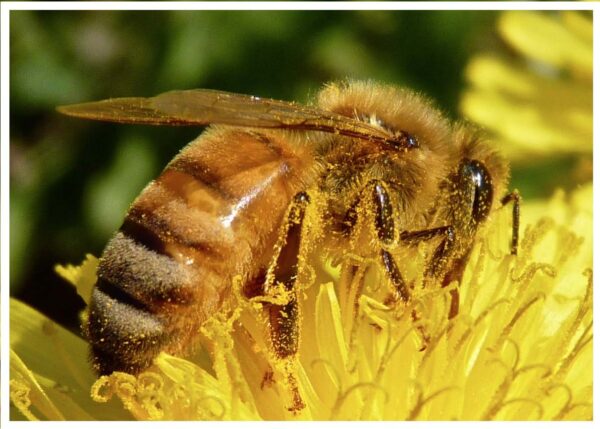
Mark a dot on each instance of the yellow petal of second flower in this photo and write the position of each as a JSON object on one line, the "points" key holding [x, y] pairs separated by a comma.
{"points": [[545, 39]]}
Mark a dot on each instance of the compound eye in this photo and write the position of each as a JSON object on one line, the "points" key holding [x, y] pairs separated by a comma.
{"points": [[484, 191]]}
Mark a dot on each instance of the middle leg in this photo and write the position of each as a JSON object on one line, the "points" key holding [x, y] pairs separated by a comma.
{"points": [[383, 219]]}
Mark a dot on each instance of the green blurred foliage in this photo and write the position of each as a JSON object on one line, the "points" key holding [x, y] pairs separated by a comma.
{"points": [[72, 180]]}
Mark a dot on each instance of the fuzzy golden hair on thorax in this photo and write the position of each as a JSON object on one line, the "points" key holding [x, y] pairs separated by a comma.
{"points": [[416, 172], [395, 108]]}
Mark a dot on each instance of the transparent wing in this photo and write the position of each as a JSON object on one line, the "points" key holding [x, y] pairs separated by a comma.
{"points": [[205, 106]]}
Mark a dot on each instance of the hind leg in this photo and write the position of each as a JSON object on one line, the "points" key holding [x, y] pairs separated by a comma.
{"points": [[283, 319]]}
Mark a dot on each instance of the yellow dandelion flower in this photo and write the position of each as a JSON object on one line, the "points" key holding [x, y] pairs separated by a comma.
{"points": [[50, 376], [540, 101], [519, 349]]}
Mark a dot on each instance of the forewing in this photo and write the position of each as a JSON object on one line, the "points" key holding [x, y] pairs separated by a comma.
{"points": [[134, 110], [204, 106]]}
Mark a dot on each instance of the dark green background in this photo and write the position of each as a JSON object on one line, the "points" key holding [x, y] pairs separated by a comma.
{"points": [[72, 180]]}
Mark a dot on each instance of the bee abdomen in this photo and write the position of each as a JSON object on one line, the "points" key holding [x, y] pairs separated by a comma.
{"points": [[124, 335], [142, 301], [207, 218], [146, 276], [152, 276]]}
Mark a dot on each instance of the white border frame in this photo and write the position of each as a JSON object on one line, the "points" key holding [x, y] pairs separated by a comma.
{"points": [[6, 7]]}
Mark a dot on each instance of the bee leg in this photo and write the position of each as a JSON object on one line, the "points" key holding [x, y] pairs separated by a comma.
{"points": [[400, 287], [384, 225], [439, 260], [440, 257], [515, 198], [283, 319]]}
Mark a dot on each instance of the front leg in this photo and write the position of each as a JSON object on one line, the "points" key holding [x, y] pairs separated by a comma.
{"points": [[445, 264], [515, 198], [436, 266], [439, 259]]}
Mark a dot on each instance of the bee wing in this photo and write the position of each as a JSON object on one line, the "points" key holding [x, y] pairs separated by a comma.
{"points": [[204, 106]]}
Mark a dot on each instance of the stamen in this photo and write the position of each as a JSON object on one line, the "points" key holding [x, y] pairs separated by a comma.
{"points": [[343, 396], [518, 314], [421, 402], [538, 406], [527, 275], [567, 406]]}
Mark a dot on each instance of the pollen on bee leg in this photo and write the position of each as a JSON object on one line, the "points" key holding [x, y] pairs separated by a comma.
{"points": [[287, 368]]}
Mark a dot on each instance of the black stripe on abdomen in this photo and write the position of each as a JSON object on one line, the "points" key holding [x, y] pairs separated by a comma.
{"points": [[150, 278]]}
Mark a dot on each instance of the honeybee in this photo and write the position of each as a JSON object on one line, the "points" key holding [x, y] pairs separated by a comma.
{"points": [[234, 202]]}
